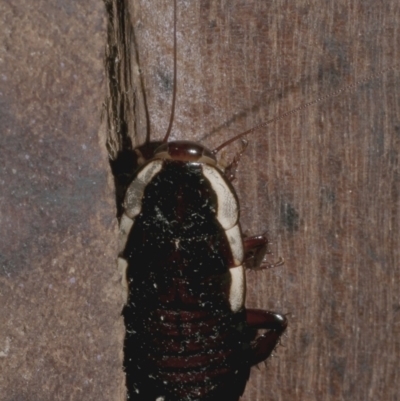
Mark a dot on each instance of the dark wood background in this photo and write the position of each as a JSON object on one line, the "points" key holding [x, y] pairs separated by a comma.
{"points": [[61, 331], [324, 183]]}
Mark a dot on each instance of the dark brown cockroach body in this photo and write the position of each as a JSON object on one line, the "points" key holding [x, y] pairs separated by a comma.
{"points": [[189, 336]]}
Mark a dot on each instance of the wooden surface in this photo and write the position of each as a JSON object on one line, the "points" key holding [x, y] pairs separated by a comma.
{"points": [[324, 183], [61, 331]]}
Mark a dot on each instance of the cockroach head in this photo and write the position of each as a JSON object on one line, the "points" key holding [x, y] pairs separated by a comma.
{"points": [[186, 151]]}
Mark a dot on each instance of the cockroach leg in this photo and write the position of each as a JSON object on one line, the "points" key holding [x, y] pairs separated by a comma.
{"points": [[255, 249], [264, 344], [231, 169]]}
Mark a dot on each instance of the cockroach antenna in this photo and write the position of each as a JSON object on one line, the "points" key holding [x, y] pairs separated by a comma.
{"points": [[171, 120], [279, 117]]}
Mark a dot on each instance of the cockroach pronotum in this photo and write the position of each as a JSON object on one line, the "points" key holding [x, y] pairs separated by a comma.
{"points": [[188, 333]]}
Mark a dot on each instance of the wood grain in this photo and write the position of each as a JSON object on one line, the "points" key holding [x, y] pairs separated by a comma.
{"points": [[324, 183], [61, 330]]}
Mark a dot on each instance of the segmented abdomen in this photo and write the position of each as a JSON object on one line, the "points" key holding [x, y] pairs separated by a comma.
{"points": [[189, 352]]}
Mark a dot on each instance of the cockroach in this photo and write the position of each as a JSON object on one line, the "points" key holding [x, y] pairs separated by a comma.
{"points": [[188, 333]]}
